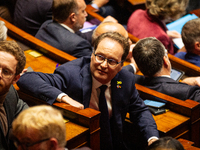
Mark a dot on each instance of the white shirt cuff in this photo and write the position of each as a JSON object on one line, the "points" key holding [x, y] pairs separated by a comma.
{"points": [[153, 137], [95, 6], [134, 69], [60, 96]]}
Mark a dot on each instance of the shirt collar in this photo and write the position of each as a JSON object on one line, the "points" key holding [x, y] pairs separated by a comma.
{"points": [[68, 28], [96, 84], [166, 76]]}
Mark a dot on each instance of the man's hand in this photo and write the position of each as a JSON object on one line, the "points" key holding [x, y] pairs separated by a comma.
{"points": [[192, 81], [72, 102], [173, 34], [152, 140]]}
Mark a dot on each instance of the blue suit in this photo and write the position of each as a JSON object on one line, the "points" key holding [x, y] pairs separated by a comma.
{"points": [[190, 57], [74, 78], [59, 37], [168, 86]]}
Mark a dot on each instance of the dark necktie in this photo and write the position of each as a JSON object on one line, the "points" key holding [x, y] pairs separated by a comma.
{"points": [[105, 134]]}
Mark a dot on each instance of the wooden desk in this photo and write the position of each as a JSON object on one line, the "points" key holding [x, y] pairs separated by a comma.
{"points": [[137, 2], [187, 108], [196, 12], [188, 144]]}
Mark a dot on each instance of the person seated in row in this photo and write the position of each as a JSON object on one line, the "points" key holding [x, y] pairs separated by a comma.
{"points": [[12, 62], [166, 143], [29, 15], [68, 17], [40, 127], [152, 60], [191, 38], [3, 31], [63, 31], [152, 21], [80, 81]]}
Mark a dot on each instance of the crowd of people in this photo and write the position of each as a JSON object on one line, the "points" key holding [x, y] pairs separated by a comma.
{"points": [[97, 78]]}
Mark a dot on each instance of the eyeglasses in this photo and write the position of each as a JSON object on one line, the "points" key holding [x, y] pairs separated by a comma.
{"points": [[25, 146], [111, 62], [6, 73]]}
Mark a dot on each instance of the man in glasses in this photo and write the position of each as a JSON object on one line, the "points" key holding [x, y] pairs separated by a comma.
{"points": [[79, 83], [12, 62]]}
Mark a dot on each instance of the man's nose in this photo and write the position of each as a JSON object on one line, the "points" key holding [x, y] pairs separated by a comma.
{"points": [[104, 64]]}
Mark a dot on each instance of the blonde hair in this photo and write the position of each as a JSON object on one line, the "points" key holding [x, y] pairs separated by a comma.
{"points": [[47, 120], [166, 8]]}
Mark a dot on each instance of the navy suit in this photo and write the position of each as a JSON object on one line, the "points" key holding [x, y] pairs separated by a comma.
{"points": [[57, 36], [74, 78], [29, 15], [168, 86], [13, 106], [190, 57]]}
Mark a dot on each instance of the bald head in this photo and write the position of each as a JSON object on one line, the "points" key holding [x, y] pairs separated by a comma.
{"points": [[109, 27]]}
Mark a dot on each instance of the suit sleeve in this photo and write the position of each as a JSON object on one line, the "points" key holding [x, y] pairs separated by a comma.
{"points": [[43, 86], [140, 114]]}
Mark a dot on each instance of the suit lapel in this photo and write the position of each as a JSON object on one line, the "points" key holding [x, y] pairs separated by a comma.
{"points": [[86, 84], [116, 88]]}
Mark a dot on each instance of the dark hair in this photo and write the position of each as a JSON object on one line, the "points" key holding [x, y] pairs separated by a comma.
{"points": [[191, 34], [166, 143], [148, 54], [13, 48], [116, 37], [62, 9], [166, 8]]}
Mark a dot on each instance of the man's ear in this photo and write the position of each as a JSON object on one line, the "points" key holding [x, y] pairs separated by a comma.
{"points": [[16, 78], [197, 46], [166, 61], [73, 17], [53, 144]]}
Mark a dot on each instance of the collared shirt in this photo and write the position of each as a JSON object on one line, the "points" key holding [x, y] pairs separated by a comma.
{"points": [[68, 28], [94, 99], [166, 76]]}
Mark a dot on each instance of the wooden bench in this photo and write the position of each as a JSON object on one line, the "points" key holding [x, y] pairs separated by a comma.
{"points": [[29, 40], [187, 108]]}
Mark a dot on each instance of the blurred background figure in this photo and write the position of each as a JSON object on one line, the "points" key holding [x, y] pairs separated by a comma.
{"points": [[191, 39], [40, 127], [152, 21]]}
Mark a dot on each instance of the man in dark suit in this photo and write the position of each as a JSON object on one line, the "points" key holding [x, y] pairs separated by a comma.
{"points": [[152, 60], [29, 15], [77, 83], [12, 62], [68, 17]]}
